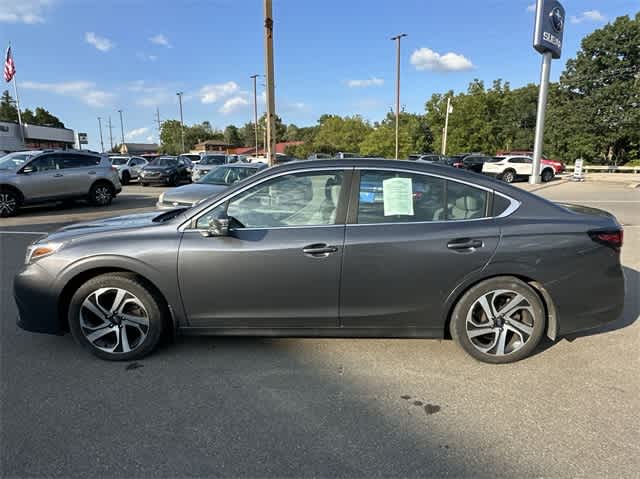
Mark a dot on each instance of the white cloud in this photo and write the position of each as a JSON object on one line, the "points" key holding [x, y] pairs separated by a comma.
{"points": [[233, 104], [23, 11], [136, 133], [215, 92], [531, 8], [150, 139], [589, 16], [151, 95], [373, 81], [101, 43], [427, 59], [161, 40], [82, 90]]}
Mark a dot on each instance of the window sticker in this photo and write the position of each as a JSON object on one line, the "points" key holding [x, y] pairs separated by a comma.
{"points": [[367, 197], [397, 195]]}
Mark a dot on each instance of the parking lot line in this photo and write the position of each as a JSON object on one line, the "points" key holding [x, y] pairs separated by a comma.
{"points": [[23, 232]]}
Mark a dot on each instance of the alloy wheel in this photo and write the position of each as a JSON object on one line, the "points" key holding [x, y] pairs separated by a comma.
{"points": [[8, 204], [500, 322], [103, 195], [114, 320]]}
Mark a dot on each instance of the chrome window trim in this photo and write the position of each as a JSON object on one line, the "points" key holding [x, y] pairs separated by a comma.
{"points": [[184, 226], [513, 206]]}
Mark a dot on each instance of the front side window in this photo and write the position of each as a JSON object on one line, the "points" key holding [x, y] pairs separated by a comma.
{"points": [[398, 197], [297, 199], [44, 163]]}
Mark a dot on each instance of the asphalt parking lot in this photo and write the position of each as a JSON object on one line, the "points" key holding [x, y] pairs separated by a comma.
{"points": [[246, 407]]}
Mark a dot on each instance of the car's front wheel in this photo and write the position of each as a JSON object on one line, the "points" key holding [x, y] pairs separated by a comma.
{"points": [[500, 320], [126, 177], [509, 176], [547, 175], [116, 317], [9, 203]]}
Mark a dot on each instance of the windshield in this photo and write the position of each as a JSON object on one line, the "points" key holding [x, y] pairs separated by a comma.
{"points": [[119, 161], [164, 162], [13, 161], [227, 175], [212, 160]]}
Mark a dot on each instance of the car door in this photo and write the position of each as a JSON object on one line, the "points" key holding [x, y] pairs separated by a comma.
{"points": [[40, 178], [280, 266], [79, 172], [135, 165], [410, 239]]}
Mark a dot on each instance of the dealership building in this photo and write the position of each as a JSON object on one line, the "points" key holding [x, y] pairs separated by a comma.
{"points": [[35, 137]]}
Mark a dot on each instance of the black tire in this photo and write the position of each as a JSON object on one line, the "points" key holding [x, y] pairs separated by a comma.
{"points": [[126, 178], [140, 346], [547, 175], [509, 176], [101, 194], [515, 346], [9, 203], [173, 180], [144, 184]]}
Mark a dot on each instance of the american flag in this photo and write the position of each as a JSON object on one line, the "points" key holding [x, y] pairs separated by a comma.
{"points": [[9, 66]]}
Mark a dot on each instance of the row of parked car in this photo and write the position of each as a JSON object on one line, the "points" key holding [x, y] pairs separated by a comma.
{"points": [[506, 165]]}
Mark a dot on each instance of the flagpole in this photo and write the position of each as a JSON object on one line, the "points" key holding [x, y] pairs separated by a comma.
{"points": [[15, 89]]}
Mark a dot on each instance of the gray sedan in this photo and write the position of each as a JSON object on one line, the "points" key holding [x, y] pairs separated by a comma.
{"points": [[354, 247], [211, 184]]}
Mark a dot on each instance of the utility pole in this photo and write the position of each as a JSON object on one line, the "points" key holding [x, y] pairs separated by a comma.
{"points": [[397, 40], [121, 127], [158, 121], [255, 109], [101, 141], [271, 108], [446, 127], [181, 119], [110, 134]]}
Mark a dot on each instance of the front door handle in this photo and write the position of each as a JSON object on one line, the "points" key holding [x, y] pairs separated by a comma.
{"points": [[465, 244], [58, 175], [319, 250], [92, 172]]}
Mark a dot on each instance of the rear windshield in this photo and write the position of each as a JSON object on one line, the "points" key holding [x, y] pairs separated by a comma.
{"points": [[119, 161], [164, 162], [213, 160]]}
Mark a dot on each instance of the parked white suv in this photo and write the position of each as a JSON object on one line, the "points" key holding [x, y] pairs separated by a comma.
{"points": [[511, 168], [128, 167], [28, 177]]}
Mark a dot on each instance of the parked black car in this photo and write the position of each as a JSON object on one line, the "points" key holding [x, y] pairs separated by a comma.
{"points": [[333, 248], [166, 170]]}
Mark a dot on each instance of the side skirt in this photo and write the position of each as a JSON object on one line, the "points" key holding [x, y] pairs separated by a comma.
{"points": [[317, 332]]}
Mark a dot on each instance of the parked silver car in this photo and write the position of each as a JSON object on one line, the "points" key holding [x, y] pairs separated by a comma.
{"points": [[128, 167], [38, 176], [206, 164]]}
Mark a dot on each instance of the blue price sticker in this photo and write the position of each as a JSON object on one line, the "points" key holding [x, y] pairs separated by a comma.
{"points": [[367, 197]]}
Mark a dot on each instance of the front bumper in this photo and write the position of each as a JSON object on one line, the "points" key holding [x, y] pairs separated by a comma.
{"points": [[162, 179], [37, 301]]}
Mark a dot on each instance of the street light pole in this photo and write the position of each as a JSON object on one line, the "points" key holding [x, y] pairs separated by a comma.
{"points": [[446, 127], [110, 133], [255, 110], [271, 108], [181, 119], [397, 40], [121, 127], [101, 141]]}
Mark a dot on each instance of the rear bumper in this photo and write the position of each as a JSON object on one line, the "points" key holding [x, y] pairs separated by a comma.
{"points": [[161, 180], [37, 301]]}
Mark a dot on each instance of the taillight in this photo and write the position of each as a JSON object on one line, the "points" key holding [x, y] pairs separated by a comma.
{"points": [[611, 238], [457, 165]]}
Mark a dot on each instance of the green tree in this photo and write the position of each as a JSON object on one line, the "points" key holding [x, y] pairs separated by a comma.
{"points": [[232, 136], [414, 136], [8, 110], [292, 133], [280, 128], [336, 133]]}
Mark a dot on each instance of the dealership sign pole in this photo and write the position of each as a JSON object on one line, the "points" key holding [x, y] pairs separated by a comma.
{"points": [[547, 39]]}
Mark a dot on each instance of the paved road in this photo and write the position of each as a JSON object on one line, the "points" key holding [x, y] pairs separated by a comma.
{"points": [[207, 407]]}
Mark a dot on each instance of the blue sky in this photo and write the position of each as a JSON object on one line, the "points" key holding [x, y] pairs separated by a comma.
{"points": [[82, 59]]}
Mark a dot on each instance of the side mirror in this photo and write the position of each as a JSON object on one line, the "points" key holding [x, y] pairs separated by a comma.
{"points": [[27, 169], [217, 227]]}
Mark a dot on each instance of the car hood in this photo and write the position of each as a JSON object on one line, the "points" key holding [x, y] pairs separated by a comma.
{"points": [[136, 221], [193, 193]]}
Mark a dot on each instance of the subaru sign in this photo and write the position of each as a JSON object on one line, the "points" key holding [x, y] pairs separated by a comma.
{"points": [[547, 34]]}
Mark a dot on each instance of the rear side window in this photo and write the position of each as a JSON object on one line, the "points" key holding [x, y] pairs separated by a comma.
{"points": [[397, 197], [500, 205], [78, 161]]}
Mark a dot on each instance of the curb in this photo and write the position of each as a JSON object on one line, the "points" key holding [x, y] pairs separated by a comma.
{"points": [[633, 185], [549, 185]]}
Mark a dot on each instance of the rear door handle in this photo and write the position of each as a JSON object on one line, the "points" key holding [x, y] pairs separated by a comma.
{"points": [[58, 175], [92, 172], [319, 250], [465, 244]]}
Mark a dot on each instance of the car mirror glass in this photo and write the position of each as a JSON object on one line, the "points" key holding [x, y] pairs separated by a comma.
{"points": [[218, 227], [28, 169]]}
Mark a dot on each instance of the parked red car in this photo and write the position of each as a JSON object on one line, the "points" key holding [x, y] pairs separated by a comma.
{"points": [[558, 166]]}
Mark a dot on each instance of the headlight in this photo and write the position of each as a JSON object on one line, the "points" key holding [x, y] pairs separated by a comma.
{"points": [[161, 198], [39, 250]]}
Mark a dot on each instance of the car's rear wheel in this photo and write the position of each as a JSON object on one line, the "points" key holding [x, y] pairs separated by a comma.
{"points": [[116, 317], [101, 194], [126, 178], [509, 176], [173, 180], [144, 184], [547, 175], [9, 203], [500, 320]]}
